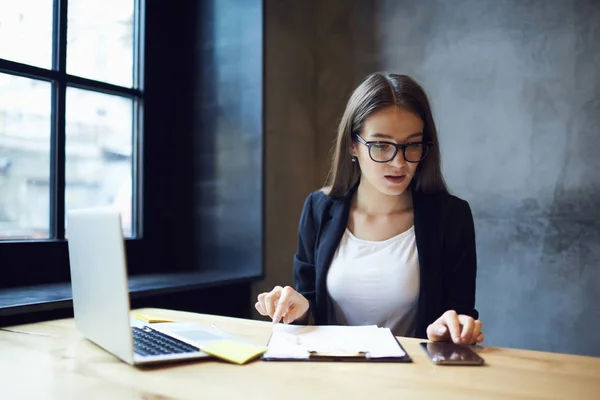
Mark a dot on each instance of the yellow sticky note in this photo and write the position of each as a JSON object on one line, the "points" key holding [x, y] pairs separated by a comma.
{"points": [[234, 351], [150, 319]]}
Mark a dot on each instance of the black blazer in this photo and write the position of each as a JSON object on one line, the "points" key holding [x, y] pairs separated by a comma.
{"points": [[445, 238]]}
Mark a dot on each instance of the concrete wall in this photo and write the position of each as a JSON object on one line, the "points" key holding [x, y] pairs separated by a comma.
{"points": [[515, 88], [516, 92]]}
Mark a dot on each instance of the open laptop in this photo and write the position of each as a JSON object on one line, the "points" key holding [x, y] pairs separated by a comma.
{"points": [[101, 296]]}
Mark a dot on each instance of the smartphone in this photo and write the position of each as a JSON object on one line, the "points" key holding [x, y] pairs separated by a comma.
{"points": [[446, 353]]}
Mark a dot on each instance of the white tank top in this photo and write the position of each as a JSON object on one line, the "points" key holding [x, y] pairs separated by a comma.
{"points": [[375, 282]]}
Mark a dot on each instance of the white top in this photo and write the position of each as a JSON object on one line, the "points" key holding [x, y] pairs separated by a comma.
{"points": [[375, 282]]}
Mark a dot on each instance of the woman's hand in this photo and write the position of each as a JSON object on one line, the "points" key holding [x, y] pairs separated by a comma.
{"points": [[451, 326], [283, 303]]}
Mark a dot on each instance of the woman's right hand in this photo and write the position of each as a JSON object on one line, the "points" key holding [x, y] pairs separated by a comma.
{"points": [[283, 303]]}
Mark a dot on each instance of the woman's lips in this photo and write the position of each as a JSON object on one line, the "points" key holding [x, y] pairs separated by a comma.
{"points": [[395, 178]]}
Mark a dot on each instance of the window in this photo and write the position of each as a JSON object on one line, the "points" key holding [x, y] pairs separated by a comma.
{"points": [[71, 96], [70, 113]]}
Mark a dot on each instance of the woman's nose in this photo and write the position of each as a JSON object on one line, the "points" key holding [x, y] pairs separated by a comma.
{"points": [[398, 160]]}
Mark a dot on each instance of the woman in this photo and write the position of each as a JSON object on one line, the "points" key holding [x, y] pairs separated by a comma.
{"points": [[385, 244]]}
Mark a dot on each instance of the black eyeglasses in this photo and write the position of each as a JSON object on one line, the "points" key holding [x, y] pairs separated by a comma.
{"points": [[382, 152]]}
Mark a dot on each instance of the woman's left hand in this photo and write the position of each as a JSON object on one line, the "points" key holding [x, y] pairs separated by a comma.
{"points": [[461, 329]]}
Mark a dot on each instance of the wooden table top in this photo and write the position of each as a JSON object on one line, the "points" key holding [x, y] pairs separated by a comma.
{"points": [[56, 362]]}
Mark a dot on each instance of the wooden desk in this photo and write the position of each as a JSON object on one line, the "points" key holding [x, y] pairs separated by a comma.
{"points": [[63, 365]]}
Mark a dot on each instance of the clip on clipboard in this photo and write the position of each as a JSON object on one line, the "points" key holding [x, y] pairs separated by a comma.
{"points": [[334, 343], [342, 356]]}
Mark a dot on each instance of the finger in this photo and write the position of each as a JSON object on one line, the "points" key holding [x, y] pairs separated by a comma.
{"points": [[262, 299], [270, 299], [437, 328], [282, 309], [260, 304], [480, 338], [476, 330], [259, 308], [437, 332], [283, 304], [468, 323], [451, 321], [298, 308], [291, 314]]}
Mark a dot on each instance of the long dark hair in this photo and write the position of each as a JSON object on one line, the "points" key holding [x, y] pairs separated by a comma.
{"points": [[379, 91]]}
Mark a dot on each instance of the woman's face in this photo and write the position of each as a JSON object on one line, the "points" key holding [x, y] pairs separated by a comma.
{"points": [[395, 125]]}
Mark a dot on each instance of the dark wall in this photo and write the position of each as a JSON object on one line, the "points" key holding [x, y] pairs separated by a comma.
{"points": [[228, 136], [206, 69], [204, 74]]}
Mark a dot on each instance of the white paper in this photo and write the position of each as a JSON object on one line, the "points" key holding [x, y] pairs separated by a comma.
{"points": [[296, 341]]}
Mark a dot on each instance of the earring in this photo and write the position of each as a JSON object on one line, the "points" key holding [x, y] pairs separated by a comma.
{"points": [[353, 158]]}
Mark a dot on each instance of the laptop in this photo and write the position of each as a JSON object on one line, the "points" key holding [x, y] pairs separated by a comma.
{"points": [[101, 297]]}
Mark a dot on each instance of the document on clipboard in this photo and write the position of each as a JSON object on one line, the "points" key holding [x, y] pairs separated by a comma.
{"points": [[333, 343]]}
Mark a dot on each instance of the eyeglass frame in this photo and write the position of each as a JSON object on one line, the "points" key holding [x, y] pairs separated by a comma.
{"points": [[427, 145]]}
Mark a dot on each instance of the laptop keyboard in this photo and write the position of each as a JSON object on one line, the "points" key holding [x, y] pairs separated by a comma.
{"points": [[149, 342]]}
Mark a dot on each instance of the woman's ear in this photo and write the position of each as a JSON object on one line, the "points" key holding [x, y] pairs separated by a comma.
{"points": [[353, 150]]}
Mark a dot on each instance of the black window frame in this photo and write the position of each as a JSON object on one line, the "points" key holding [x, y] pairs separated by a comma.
{"points": [[41, 261]]}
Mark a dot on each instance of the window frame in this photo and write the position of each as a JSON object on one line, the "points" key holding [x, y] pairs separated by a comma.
{"points": [[60, 80], [26, 261]]}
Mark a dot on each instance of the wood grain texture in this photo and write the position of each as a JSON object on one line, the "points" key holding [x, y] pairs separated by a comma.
{"points": [[63, 365]]}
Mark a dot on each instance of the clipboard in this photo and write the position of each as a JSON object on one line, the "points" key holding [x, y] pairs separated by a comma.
{"points": [[341, 356]]}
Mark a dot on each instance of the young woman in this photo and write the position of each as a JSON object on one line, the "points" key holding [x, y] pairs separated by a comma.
{"points": [[385, 244]]}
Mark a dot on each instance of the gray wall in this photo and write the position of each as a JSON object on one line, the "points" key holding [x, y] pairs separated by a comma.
{"points": [[516, 92], [515, 87]]}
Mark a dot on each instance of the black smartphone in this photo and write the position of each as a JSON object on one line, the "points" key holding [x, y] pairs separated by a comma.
{"points": [[446, 353]]}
